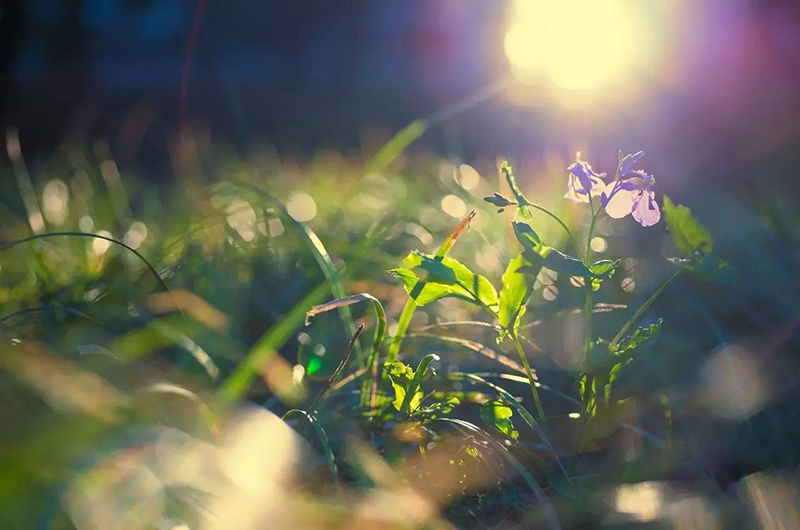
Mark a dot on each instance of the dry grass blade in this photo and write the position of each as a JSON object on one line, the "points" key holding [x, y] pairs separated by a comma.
{"points": [[337, 372], [476, 347]]}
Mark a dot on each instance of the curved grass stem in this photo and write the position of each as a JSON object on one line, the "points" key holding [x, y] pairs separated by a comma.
{"points": [[526, 365], [642, 309]]}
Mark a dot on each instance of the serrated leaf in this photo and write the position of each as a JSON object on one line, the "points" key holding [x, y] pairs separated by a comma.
{"points": [[602, 357], [498, 415], [643, 336], [401, 375], [517, 282], [709, 268], [446, 277], [439, 408], [689, 235], [425, 292]]}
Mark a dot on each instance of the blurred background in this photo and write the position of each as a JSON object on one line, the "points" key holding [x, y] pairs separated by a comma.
{"points": [[718, 78], [161, 123]]}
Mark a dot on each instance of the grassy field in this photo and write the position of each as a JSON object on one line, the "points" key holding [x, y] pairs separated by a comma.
{"points": [[258, 343]]}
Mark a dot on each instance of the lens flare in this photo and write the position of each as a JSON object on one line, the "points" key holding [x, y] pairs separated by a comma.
{"points": [[578, 44]]}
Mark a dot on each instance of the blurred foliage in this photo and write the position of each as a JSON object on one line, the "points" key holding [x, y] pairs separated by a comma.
{"points": [[133, 406]]}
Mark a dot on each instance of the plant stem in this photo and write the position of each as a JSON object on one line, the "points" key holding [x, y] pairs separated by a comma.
{"points": [[563, 225], [402, 327], [588, 258], [531, 380], [642, 309]]}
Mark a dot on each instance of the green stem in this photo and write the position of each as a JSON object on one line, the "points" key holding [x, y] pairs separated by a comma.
{"points": [[588, 280], [402, 327], [572, 237], [642, 309], [531, 380]]}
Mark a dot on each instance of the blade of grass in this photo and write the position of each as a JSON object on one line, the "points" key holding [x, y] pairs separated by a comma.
{"points": [[319, 252], [237, 384], [46, 308], [474, 346], [411, 132], [336, 373], [416, 380], [370, 386], [152, 269], [323, 440]]}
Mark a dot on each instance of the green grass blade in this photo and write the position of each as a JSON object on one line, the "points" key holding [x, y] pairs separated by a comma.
{"points": [[323, 440], [336, 373], [369, 387], [415, 382], [319, 252], [237, 384], [395, 147]]}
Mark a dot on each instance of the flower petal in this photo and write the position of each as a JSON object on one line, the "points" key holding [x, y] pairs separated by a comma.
{"points": [[645, 209], [597, 185], [620, 201], [573, 193]]}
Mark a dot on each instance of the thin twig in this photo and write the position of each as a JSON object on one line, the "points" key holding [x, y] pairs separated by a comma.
{"points": [[337, 372]]}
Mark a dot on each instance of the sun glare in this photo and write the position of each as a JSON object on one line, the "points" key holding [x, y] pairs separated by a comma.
{"points": [[578, 44]]}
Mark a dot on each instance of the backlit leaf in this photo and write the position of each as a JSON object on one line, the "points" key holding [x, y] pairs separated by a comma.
{"points": [[498, 415], [689, 235], [517, 286], [707, 267]]}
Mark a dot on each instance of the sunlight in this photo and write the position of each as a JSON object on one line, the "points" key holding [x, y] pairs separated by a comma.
{"points": [[578, 44]]}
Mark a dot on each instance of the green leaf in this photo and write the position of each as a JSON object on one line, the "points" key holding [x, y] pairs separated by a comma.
{"points": [[446, 277], [549, 257], [498, 415], [401, 376], [689, 235], [517, 286], [424, 292], [602, 270], [439, 408], [606, 363], [603, 424], [709, 268], [527, 237], [602, 357], [499, 200], [640, 338]]}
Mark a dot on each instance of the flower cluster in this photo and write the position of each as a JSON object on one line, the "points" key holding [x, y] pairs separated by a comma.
{"points": [[631, 191]]}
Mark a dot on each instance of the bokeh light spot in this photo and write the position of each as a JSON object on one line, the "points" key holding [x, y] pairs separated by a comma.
{"points": [[454, 206], [301, 207]]}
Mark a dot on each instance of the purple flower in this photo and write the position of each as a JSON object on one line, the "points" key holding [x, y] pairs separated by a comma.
{"points": [[626, 163], [583, 182], [634, 196]]}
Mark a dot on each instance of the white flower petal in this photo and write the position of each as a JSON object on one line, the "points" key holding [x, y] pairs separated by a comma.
{"points": [[646, 210], [620, 203]]}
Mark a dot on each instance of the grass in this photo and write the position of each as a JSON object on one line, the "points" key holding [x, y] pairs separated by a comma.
{"points": [[167, 374]]}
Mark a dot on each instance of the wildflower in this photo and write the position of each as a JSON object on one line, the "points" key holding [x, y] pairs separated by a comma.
{"points": [[626, 163], [583, 182], [634, 196]]}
